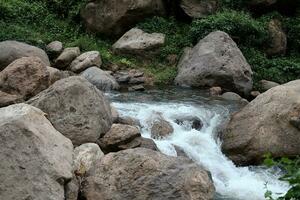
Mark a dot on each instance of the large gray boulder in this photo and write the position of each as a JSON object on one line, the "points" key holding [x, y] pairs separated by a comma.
{"points": [[86, 60], [13, 50], [215, 61], [138, 42], [101, 79], [24, 78], [75, 108], [114, 17], [36, 160], [199, 8], [268, 124], [146, 174]]}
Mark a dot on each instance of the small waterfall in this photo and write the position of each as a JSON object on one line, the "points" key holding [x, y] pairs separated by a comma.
{"points": [[204, 147]]}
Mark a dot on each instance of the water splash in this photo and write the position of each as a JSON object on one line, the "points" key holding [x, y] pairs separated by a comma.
{"points": [[204, 147]]}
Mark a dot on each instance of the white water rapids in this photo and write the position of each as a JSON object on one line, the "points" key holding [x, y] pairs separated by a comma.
{"points": [[231, 182]]}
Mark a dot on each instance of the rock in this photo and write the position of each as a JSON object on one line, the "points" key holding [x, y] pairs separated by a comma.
{"points": [[138, 80], [56, 74], [278, 43], [146, 174], [264, 126], [231, 96], [254, 94], [136, 88], [66, 57], [86, 60], [24, 78], [266, 85], [122, 77], [129, 121], [36, 159], [85, 157], [215, 61], [140, 142], [215, 91], [199, 8], [102, 80], [8, 99], [13, 50], [134, 73], [54, 49], [180, 151], [161, 128], [75, 108], [116, 17], [262, 2], [190, 122], [138, 42], [72, 189], [114, 114], [118, 135], [172, 59]]}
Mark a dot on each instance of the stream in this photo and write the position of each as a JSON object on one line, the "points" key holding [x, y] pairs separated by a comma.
{"points": [[204, 146]]}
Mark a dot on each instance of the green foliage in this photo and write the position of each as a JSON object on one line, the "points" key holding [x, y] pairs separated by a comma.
{"points": [[280, 69], [163, 74], [292, 176], [244, 29], [176, 34], [292, 26]]}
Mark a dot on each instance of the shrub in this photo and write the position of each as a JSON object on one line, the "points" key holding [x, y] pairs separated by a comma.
{"points": [[239, 25]]}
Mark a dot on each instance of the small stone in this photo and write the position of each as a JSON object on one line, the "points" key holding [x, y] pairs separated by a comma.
{"points": [[136, 88]]}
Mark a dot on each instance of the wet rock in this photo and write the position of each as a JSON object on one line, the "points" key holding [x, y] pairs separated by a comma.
{"points": [[116, 17], [180, 151], [75, 108], [136, 88], [86, 60], [138, 42], [264, 126], [126, 174], [101, 79], [199, 8], [23, 78], [266, 85], [190, 122], [129, 121], [118, 135], [215, 60], [161, 128], [66, 57], [54, 49], [13, 50], [36, 158], [215, 91]]}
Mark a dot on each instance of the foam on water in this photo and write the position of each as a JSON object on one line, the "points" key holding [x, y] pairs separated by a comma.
{"points": [[231, 182]]}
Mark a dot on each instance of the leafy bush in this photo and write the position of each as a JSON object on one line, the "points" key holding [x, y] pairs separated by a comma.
{"points": [[280, 69], [293, 34], [244, 29], [292, 176]]}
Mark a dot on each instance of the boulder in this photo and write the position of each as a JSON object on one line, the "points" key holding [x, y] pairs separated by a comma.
{"points": [[116, 17], [278, 43], [266, 85], [264, 126], [114, 114], [146, 174], [199, 8], [36, 158], [24, 78], [118, 135], [129, 121], [86, 60], [75, 108], [140, 142], [161, 128], [56, 74], [66, 57], [54, 49], [8, 99], [13, 50], [138, 42], [101, 79], [190, 122], [215, 61], [85, 156]]}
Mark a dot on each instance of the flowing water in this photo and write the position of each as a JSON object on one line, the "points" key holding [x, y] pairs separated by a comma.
{"points": [[204, 146]]}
